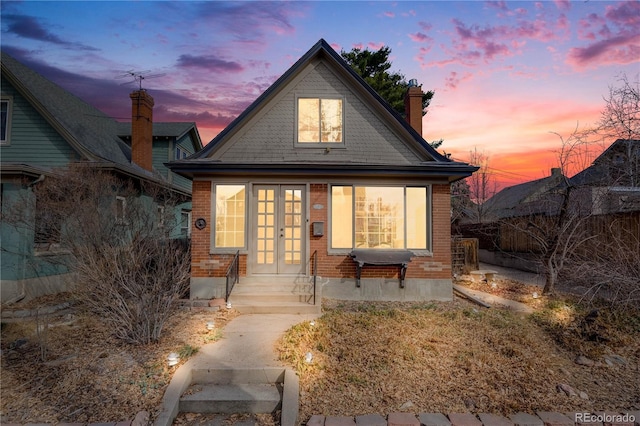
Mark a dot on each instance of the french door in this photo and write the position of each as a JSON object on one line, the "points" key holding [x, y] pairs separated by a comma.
{"points": [[279, 229]]}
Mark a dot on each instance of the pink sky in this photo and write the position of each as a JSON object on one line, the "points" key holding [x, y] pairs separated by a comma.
{"points": [[506, 74]]}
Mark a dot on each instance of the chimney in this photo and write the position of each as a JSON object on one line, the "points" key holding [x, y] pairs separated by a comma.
{"points": [[141, 129], [413, 105], [556, 171]]}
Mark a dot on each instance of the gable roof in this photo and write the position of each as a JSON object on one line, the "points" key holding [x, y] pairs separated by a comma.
{"points": [[606, 170], [428, 159], [175, 130], [90, 132], [518, 199]]}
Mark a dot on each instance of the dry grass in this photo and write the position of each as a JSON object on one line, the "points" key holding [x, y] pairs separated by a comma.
{"points": [[87, 375], [454, 357]]}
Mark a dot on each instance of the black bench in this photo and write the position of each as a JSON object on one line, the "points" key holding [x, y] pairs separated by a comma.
{"points": [[380, 257]]}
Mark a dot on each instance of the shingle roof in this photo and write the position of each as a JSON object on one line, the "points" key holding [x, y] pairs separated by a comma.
{"points": [[433, 162], [88, 130]]}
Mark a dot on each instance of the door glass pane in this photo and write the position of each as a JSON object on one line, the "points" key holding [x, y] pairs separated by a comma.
{"points": [[292, 222], [230, 216], [266, 226]]}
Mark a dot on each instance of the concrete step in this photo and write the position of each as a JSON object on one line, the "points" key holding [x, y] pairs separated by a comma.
{"points": [[239, 298], [253, 306], [231, 398]]}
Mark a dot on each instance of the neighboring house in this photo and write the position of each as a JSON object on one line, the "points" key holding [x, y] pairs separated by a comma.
{"points": [[607, 192], [45, 128], [612, 183], [320, 163]]}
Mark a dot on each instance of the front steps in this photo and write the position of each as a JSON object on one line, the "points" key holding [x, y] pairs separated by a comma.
{"points": [[233, 391], [275, 295]]}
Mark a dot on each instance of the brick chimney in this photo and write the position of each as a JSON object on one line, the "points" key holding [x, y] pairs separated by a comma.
{"points": [[413, 106], [141, 129]]}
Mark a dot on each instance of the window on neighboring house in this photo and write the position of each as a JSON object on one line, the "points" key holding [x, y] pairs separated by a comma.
{"points": [[5, 120], [185, 222], [160, 216], [385, 217], [181, 153], [121, 209], [320, 121], [230, 213]]}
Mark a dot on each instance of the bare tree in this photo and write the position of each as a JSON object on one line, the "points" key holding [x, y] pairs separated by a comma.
{"points": [[620, 118], [116, 236], [482, 185]]}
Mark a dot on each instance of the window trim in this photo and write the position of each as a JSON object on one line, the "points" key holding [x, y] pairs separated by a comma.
{"points": [[428, 251], [7, 138], [214, 212], [185, 224], [323, 145]]}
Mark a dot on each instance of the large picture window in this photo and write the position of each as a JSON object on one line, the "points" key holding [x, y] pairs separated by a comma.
{"points": [[230, 216], [320, 121], [379, 217]]}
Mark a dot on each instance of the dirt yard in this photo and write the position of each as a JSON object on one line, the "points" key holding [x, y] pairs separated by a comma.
{"points": [[385, 357]]}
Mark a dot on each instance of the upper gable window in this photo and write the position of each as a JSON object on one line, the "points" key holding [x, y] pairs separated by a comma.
{"points": [[320, 121], [5, 120]]}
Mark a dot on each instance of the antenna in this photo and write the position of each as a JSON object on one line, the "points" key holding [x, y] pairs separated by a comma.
{"points": [[138, 76]]}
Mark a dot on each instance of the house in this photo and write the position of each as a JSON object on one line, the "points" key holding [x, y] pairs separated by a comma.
{"points": [[44, 129], [317, 166], [606, 195], [612, 183]]}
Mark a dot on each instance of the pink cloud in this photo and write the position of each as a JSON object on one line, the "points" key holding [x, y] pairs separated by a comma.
{"points": [[563, 5], [389, 14], [375, 45], [454, 79], [420, 37], [614, 38]]}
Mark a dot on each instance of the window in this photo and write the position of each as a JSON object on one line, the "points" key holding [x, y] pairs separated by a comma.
{"points": [[320, 121], [185, 223], [230, 216], [5, 120], [120, 209], [384, 217], [160, 216], [181, 153], [48, 224]]}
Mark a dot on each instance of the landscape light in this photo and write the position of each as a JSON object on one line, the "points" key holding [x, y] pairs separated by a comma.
{"points": [[211, 325], [535, 294], [312, 323], [308, 358], [173, 359], [228, 305]]}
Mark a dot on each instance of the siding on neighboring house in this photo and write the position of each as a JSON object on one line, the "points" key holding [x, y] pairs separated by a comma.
{"points": [[32, 137], [186, 143]]}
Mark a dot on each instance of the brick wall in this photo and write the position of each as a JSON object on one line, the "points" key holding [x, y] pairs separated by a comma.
{"points": [[142, 129], [434, 267], [431, 267]]}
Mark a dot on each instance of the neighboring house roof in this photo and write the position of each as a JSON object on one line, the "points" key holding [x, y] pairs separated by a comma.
{"points": [[521, 199], [618, 165], [166, 129], [415, 158], [92, 134]]}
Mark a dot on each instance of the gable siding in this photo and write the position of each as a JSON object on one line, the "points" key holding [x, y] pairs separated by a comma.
{"points": [[32, 139], [185, 142], [160, 155], [270, 136]]}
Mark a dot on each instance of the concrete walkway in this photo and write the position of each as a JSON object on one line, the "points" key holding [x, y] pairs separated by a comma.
{"points": [[248, 342], [528, 278]]}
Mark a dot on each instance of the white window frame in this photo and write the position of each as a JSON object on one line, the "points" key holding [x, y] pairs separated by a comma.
{"points": [[121, 206], [319, 144], [428, 251], [6, 140], [214, 215], [181, 153], [185, 225]]}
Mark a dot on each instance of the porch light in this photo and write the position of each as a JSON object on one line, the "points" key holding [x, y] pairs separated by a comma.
{"points": [[308, 358], [211, 325], [173, 359]]}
